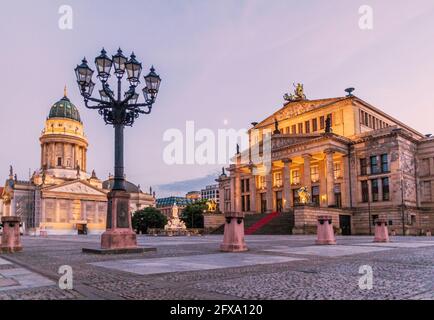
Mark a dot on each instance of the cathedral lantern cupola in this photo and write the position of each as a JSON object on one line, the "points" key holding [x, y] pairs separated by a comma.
{"points": [[63, 143]]}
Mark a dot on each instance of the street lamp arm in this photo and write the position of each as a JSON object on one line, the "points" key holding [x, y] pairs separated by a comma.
{"points": [[128, 97], [108, 93], [138, 105], [145, 112], [101, 102]]}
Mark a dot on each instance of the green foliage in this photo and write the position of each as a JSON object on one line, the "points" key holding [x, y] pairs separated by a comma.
{"points": [[148, 218], [192, 214]]}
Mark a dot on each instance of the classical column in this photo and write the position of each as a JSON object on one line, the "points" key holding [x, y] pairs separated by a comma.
{"points": [[232, 184], [252, 188], [330, 178], [64, 155], [42, 155], [85, 160], [269, 191], [287, 199], [53, 155], [221, 197], [237, 193], [345, 188], [307, 181]]}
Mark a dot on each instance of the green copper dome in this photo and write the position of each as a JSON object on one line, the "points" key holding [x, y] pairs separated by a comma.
{"points": [[64, 108]]}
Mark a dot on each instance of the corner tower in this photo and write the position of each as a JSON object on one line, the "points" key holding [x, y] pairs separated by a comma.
{"points": [[63, 142]]}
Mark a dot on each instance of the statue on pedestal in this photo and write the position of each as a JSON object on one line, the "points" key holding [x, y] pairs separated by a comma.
{"points": [[174, 223]]}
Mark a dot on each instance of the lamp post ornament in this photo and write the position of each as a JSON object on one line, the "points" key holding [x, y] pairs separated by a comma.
{"points": [[120, 111]]}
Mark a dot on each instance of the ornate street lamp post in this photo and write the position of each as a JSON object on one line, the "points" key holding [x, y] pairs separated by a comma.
{"points": [[120, 111]]}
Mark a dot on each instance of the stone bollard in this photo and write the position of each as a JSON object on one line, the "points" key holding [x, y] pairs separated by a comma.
{"points": [[11, 239], [233, 239], [325, 234], [381, 231]]}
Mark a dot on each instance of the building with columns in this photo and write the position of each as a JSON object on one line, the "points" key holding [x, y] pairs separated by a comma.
{"points": [[62, 197], [356, 162]]}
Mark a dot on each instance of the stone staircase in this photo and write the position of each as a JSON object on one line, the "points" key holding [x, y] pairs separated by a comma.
{"points": [[280, 224]]}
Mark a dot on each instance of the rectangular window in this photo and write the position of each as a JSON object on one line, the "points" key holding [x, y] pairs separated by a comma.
{"points": [[286, 130], [321, 123], [374, 186], [330, 115], [307, 126], [426, 191], [59, 162], [314, 125], [295, 176], [315, 195], [365, 191], [261, 182], [314, 173], [247, 186], [366, 119], [242, 186], [384, 163], [278, 179], [293, 129], [337, 172], [300, 128], [362, 117], [363, 167], [374, 165], [385, 187]]}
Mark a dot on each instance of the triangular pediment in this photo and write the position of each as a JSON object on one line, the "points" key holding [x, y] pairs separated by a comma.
{"points": [[296, 108], [76, 187]]}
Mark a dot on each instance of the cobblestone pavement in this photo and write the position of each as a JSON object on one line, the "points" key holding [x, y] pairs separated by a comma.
{"points": [[403, 269]]}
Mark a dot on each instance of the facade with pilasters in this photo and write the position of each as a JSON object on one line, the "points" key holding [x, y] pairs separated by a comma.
{"points": [[367, 166]]}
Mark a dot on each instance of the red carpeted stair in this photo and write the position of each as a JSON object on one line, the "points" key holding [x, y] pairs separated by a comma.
{"points": [[258, 225]]}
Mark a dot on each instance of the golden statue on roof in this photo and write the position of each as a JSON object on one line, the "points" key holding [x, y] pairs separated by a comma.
{"points": [[297, 95]]}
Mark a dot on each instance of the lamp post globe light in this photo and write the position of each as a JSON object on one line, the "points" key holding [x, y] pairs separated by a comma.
{"points": [[119, 109]]}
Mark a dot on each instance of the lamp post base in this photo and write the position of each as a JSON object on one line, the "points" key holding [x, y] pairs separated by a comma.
{"points": [[119, 238]]}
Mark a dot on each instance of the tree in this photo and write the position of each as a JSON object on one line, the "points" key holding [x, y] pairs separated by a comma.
{"points": [[148, 218], [192, 214]]}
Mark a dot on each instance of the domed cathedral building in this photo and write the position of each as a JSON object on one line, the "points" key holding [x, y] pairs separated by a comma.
{"points": [[62, 197]]}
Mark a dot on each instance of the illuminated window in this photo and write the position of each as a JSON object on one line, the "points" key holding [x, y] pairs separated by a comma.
{"points": [[295, 176], [337, 171], [278, 179], [300, 128], [314, 125], [314, 173]]}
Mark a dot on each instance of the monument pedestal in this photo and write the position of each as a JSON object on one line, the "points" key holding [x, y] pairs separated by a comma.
{"points": [[381, 231], [11, 238], [325, 234], [119, 236], [233, 239]]}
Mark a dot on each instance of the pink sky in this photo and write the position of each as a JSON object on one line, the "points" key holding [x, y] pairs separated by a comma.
{"points": [[219, 60]]}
